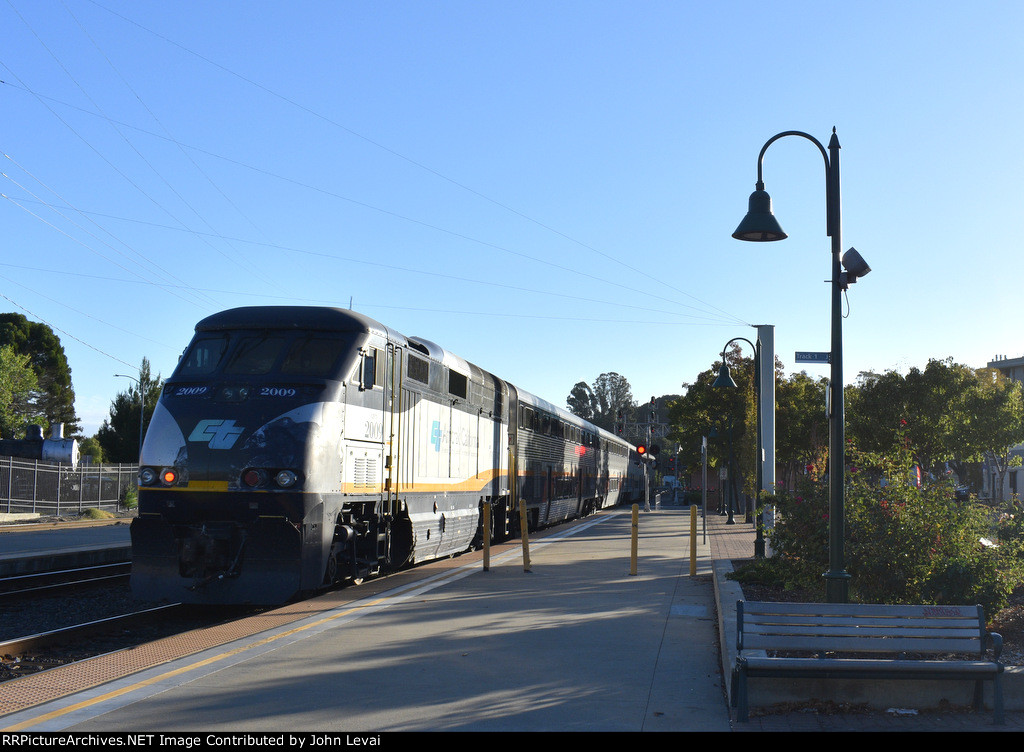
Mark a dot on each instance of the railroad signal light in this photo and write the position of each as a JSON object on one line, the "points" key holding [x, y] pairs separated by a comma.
{"points": [[641, 450]]}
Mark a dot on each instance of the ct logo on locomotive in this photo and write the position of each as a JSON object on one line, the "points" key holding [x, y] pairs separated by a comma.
{"points": [[219, 434]]}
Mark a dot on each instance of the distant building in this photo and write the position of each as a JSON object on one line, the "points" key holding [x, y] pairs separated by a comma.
{"points": [[1013, 482], [1013, 368]]}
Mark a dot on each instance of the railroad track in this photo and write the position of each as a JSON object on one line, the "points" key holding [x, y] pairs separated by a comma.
{"points": [[53, 618], [32, 653], [74, 635], [49, 583]]}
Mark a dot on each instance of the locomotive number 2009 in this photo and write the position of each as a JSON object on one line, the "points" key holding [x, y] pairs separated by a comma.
{"points": [[277, 391], [373, 430]]}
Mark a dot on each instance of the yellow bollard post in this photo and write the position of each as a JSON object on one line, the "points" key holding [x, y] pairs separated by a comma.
{"points": [[693, 540], [636, 530], [487, 536], [522, 533]]}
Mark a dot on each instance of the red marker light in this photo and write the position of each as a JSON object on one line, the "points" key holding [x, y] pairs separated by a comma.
{"points": [[254, 478]]}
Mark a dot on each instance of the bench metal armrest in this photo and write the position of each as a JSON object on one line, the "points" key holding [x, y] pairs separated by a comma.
{"points": [[995, 640]]}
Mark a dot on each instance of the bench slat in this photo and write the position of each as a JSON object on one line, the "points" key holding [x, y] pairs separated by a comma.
{"points": [[828, 627], [860, 609], [860, 621], [818, 665], [840, 644]]}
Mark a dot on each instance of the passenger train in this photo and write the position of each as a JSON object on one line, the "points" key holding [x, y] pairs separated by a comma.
{"points": [[296, 447]]}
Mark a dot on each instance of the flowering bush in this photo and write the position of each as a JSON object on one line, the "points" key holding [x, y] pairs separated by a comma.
{"points": [[906, 540]]}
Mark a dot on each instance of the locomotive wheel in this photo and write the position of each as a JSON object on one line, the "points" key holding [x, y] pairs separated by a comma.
{"points": [[331, 573]]}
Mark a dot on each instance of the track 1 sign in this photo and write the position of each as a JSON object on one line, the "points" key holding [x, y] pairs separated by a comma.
{"points": [[813, 357]]}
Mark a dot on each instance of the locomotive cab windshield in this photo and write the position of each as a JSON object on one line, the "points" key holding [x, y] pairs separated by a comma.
{"points": [[302, 354]]}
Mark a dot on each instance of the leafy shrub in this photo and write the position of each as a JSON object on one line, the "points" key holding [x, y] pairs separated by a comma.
{"points": [[904, 542], [130, 498]]}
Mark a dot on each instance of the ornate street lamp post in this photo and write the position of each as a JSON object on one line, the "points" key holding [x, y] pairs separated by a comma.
{"points": [[760, 225], [725, 380]]}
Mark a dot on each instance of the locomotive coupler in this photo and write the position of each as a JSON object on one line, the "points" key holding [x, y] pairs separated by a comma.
{"points": [[207, 551]]}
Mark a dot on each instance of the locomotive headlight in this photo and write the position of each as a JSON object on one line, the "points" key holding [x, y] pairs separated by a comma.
{"points": [[285, 479], [147, 476]]}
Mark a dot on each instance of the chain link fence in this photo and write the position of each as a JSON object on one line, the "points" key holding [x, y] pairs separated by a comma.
{"points": [[50, 488]]}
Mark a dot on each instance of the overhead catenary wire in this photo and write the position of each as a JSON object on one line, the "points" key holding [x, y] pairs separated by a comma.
{"points": [[399, 155], [425, 224], [135, 185], [62, 331]]}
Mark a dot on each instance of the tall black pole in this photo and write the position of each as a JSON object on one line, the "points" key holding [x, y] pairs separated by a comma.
{"points": [[758, 522], [731, 472], [837, 581]]}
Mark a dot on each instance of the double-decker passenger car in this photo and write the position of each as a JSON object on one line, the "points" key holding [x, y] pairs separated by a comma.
{"points": [[294, 447]]}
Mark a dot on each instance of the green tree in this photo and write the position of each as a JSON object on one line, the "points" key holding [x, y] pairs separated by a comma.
{"points": [[801, 427], [91, 448], [950, 414], [119, 434], [17, 394], [581, 401], [996, 410], [606, 398], [724, 416], [54, 394], [929, 407]]}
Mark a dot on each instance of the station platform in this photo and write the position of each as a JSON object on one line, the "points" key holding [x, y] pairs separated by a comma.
{"points": [[577, 641], [43, 547]]}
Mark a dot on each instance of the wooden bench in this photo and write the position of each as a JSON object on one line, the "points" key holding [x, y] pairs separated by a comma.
{"points": [[884, 642]]}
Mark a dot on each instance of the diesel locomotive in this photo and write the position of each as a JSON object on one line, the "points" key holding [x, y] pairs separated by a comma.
{"points": [[297, 447]]}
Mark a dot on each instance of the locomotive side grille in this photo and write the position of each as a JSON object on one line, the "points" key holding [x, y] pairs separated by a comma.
{"points": [[364, 472]]}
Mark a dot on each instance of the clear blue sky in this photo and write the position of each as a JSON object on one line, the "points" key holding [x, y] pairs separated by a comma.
{"points": [[547, 189]]}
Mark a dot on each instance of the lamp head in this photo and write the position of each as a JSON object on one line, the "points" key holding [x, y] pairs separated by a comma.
{"points": [[724, 380], [760, 224], [855, 264]]}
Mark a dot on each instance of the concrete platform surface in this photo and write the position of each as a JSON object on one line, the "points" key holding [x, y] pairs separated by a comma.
{"points": [[578, 643]]}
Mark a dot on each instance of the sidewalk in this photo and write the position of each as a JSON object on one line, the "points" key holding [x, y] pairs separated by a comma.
{"points": [[736, 542]]}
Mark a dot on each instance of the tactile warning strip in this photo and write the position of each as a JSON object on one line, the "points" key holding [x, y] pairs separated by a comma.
{"points": [[33, 689], [45, 686]]}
